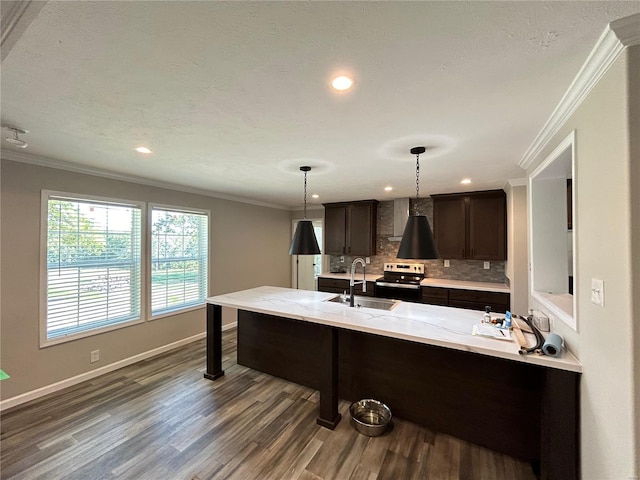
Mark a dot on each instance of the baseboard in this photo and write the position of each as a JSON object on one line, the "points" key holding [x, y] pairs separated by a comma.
{"points": [[54, 387], [229, 326]]}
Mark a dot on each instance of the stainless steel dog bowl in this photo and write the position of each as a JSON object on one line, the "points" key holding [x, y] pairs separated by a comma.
{"points": [[370, 417]]}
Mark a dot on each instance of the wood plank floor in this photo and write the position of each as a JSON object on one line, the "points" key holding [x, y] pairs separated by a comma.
{"points": [[160, 419]]}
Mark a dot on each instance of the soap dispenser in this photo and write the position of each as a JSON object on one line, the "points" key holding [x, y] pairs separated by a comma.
{"points": [[486, 318]]}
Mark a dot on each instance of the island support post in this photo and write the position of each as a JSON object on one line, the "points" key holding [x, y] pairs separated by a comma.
{"points": [[214, 342], [329, 416]]}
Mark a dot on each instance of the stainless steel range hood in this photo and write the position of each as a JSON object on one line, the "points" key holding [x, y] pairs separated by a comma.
{"points": [[400, 216]]}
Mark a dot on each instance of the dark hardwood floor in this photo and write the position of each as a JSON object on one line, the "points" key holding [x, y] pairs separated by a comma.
{"points": [[160, 419]]}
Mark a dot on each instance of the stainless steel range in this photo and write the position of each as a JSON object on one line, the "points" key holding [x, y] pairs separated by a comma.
{"points": [[401, 281]]}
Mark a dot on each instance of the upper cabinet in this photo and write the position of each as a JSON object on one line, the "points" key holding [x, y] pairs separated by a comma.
{"points": [[350, 228], [471, 225]]}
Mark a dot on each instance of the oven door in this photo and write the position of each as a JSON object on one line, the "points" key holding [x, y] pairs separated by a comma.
{"points": [[398, 291]]}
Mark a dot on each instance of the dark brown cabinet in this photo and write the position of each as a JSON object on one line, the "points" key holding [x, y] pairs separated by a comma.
{"points": [[462, 298], [471, 225], [435, 296], [350, 228], [337, 285]]}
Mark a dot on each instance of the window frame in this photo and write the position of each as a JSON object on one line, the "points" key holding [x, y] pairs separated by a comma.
{"points": [[148, 240], [46, 196], [560, 304]]}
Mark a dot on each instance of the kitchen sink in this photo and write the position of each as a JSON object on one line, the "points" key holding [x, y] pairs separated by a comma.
{"points": [[367, 302]]}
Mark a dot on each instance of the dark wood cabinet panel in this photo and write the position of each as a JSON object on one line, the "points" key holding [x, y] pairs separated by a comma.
{"points": [[471, 225], [449, 226], [350, 228], [337, 285], [487, 228], [434, 296], [460, 298], [335, 222], [361, 229]]}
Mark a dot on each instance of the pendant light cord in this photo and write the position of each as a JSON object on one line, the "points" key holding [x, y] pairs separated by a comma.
{"points": [[417, 183], [305, 195]]}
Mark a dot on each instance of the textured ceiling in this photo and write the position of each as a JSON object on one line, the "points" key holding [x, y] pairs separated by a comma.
{"points": [[233, 97]]}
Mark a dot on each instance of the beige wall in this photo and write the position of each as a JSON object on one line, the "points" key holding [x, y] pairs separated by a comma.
{"points": [[604, 185], [517, 266], [248, 247], [634, 177]]}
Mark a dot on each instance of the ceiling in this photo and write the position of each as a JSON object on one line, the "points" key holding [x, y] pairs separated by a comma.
{"points": [[234, 97]]}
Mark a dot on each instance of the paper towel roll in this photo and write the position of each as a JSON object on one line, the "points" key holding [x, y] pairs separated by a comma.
{"points": [[552, 345]]}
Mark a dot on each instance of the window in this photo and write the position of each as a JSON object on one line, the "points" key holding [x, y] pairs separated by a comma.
{"points": [[178, 259], [93, 265], [552, 241]]}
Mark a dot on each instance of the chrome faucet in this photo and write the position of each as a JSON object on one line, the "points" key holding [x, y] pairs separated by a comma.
{"points": [[353, 283]]}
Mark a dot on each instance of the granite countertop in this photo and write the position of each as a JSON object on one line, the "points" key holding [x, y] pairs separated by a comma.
{"points": [[428, 324], [431, 282]]}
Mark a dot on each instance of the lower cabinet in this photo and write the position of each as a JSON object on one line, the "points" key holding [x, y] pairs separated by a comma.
{"points": [[446, 297], [471, 299], [336, 285]]}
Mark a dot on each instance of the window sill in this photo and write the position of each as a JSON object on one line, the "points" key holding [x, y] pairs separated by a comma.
{"points": [[176, 312], [559, 305], [87, 333]]}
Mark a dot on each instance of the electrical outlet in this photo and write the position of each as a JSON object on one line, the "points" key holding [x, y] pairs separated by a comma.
{"points": [[447, 264], [95, 356], [367, 260], [487, 265], [597, 292], [342, 259]]}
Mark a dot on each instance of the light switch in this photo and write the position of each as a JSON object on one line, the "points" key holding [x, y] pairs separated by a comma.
{"points": [[597, 291]]}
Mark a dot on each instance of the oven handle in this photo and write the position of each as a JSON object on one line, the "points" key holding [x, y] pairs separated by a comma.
{"points": [[398, 285]]}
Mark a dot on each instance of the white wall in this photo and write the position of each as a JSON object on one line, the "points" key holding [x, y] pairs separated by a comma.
{"points": [[248, 247], [517, 266], [604, 185]]}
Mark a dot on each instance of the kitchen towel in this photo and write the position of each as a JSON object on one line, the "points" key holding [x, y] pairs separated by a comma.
{"points": [[552, 345]]}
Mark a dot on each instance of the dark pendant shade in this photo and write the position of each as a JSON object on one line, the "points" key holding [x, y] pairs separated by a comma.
{"points": [[417, 240], [304, 241]]}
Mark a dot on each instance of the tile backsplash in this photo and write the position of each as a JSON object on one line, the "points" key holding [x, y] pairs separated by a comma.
{"points": [[472, 270]]}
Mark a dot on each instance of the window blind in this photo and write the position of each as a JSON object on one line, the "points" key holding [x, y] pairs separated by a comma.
{"points": [[93, 265], [179, 246]]}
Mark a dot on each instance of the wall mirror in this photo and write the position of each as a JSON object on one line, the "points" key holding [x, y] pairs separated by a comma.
{"points": [[552, 227]]}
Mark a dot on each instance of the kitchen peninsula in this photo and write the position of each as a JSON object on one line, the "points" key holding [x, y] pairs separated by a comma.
{"points": [[421, 360]]}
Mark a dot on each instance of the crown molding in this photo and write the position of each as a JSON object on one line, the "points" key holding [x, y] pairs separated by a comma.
{"points": [[99, 172], [15, 19], [617, 36]]}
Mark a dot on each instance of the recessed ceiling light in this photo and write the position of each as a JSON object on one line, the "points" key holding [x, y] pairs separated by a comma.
{"points": [[342, 83], [142, 150], [388, 189], [315, 195], [15, 139], [465, 181]]}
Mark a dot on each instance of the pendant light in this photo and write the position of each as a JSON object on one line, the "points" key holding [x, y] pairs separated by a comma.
{"points": [[417, 239], [304, 241]]}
